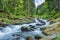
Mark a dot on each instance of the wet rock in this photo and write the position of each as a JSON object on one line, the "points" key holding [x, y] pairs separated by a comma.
{"points": [[18, 38], [29, 38], [24, 28], [42, 22], [39, 24], [32, 27], [53, 29], [4, 25], [52, 22], [38, 37], [16, 35]]}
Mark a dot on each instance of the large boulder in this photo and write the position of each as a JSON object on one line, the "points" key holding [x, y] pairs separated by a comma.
{"points": [[38, 37], [24, 29]]}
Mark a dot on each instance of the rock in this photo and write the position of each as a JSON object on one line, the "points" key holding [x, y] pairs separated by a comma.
{"points": [[45, 33], [39, 24], [4, 24], [18, 38], [43, 28], [52, 29], [38, 37], [42, 22], [29, 38], [17, 24], [16, 35], [24, 28], [52, 21], [32, 27]]}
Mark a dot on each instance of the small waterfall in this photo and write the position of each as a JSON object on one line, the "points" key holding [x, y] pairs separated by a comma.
{"points": [[38, 2]]}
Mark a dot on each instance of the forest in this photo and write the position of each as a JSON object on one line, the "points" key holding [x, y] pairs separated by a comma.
{"points": [[15, 12], [15, 9]]}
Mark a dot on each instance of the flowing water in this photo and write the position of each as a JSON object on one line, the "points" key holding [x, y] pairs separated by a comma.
{"points": [[38, 2], [13, 32]]}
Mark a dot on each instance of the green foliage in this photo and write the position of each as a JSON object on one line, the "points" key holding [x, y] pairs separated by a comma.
{"points": [[57, 38], [24, 8], [6, 20], [49, 10]]}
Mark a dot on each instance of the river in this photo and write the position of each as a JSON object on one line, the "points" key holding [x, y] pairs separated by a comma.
{"points": [[13, 32]]}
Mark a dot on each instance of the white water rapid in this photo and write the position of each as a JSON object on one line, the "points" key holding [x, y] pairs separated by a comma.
{"points": [[13, 32]]}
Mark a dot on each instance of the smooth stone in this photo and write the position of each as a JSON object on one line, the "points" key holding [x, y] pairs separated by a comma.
{"points": [[38, 37], [29, 38], [32, 27], [24, 29]]}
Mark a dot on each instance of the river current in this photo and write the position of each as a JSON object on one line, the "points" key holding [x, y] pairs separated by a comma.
{"points": [[15, 32]]}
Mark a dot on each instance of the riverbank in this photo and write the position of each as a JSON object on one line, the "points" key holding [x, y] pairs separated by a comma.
{"points": [[16, 21], [23, 20]]}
